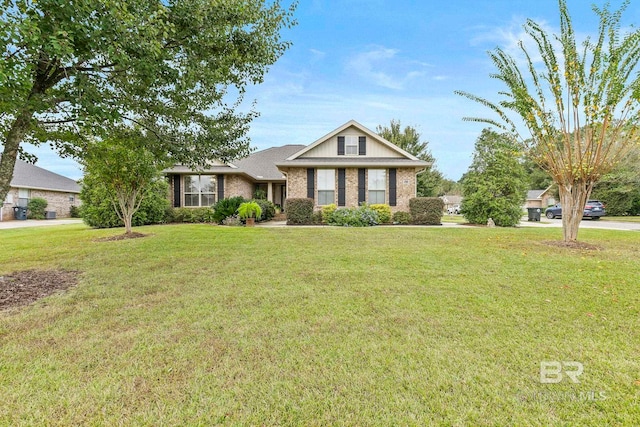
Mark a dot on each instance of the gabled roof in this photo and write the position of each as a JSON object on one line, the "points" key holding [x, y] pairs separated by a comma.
{"points": [[537, 194], [26, 175], [360, 127], [261, 164]]}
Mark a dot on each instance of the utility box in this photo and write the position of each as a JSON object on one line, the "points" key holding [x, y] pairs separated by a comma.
{"points": [[50, 215]]}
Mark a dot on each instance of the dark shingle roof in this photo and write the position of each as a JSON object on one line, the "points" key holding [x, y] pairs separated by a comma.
{"points": [[359, 161], [26, 175], [261, 164]]}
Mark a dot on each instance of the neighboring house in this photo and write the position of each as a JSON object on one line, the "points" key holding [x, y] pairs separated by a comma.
{"points": [[31, 181], [348, 166], [540, 198], [451, 200]]}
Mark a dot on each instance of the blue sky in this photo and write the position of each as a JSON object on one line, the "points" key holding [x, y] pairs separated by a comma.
{"points": [[378, 60]]}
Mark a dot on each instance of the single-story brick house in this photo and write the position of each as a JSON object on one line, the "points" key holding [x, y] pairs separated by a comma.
{"points": [[348, 166], [540, 198], [30, 181]]}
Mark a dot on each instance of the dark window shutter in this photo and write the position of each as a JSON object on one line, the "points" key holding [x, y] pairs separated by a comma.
{"points": [[392, 187], [341, 146], [311, 172], [362, 185], [342, 185], [362, 145], [176, 191], [220, 187]]}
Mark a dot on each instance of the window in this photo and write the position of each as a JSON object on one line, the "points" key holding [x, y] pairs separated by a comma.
{"points": [[351, 145], [23, 197], [199, 190], [326, 186], [377, 185]]}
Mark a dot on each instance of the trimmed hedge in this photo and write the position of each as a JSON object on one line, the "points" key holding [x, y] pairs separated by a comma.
{"points": [[362, 216], [191, 215], [299, 211], [402, 218], [426, 210]]}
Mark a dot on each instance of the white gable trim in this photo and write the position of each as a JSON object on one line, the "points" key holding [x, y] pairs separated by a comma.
{"points": [[363, 129]]}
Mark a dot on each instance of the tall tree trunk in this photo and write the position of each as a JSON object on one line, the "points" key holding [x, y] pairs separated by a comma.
{"points": [[16, 134], [573, 198]]}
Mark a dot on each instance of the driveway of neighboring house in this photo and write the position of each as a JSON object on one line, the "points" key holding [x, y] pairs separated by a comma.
{"points": [[586, 223], [37, 223]]}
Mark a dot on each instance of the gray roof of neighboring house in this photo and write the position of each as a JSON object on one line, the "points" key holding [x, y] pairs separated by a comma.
{"points": [[353, 160], [534, 194], [261, 164], [26, 175]]}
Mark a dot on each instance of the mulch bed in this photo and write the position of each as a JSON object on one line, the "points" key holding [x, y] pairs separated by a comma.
{"points": [[572, 245], [125, 236], [25, 287]]}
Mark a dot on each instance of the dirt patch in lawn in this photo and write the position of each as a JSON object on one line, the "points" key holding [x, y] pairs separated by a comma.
{"points": [[124, 236], [581, 246], [25, 287]]}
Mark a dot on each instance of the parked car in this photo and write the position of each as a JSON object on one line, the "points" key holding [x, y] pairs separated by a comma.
{"points": [[455, 209], [594, 209]]}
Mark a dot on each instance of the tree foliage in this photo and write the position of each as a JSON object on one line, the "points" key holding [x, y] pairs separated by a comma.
{"points": [[408, 139], [620, 188], [580, 108], [72, 70], [495, 184]]}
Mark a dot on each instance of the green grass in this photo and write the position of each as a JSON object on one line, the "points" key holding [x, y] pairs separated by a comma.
{"points": [[458, 219], [202, 325], [621, 218]]}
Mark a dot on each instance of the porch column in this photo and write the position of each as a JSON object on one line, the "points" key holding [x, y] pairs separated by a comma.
{"points": [[270, 191]]}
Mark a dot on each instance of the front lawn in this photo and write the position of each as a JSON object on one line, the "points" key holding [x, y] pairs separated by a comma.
{"points": [[203, 325]]}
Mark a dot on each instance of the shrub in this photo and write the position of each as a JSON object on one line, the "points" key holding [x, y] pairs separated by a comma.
{"points": [[232, 221], [98, 210], [317, 218], [327, 211], [36, 208], [363, 216], [226, 207], [299, 211], [402, 218], [384, 212], [426, 210], [249, 210], [75, 212], [268, 209], [192, 215]]}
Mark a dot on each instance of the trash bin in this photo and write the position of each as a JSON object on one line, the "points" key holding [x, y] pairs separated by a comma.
{"points": [[50, 215], [20, 212], [534, 214]]}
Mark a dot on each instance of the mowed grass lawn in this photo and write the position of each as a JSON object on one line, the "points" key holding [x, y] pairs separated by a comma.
{"points": [[203, 325]]}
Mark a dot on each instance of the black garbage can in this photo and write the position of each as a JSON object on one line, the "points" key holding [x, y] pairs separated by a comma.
{"points": [[534, 214], [20, 212]]}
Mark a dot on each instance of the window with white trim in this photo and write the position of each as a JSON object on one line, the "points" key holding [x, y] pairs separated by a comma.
{"points": [[326, 186], [199, 190], [377, 185], [351, 145]]}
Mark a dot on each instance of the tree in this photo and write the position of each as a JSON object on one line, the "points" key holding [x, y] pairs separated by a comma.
{"points": [[620, 188], [429, 181], [581, 110], [495, 184], [73, 70], [124, 169]]}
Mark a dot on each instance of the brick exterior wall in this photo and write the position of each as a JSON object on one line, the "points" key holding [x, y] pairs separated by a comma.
{"points": [[405, 187], [236, 185], [56, 201]]}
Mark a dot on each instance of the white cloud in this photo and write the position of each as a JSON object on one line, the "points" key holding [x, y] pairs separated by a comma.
{"points": [[384, 67]]}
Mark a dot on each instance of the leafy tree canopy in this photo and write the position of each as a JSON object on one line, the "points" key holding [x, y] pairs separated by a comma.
{"points": [[70, 70]]}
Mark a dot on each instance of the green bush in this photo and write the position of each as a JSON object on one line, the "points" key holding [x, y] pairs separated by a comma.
{"points": [[363, 216], [226, 207], [36, 208], [299, 211], [402, 218], [384, 212], [327, 211], [191, 215], [98, 210], [426, 210], [75, 212], [268, 209]]}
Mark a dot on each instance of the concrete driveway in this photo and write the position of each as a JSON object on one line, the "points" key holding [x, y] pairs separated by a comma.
{"points": [[585, 223], [37, 223]]}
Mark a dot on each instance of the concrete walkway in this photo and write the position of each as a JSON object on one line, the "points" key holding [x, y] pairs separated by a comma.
{"points": [[37, 223]]}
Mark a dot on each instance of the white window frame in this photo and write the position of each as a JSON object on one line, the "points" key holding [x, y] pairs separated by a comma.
{"points": [[202, 195], [351, 144], [326, 186], [376, 186]]}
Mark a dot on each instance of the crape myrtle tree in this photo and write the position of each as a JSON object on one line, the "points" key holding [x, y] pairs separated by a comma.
{"points": [[124, 169], [580, 107], [70, 71], [495, 184], [430, 181]]}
